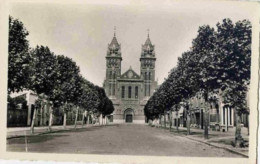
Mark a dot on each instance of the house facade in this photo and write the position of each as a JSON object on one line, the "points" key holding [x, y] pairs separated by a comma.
{"points": [[23, 116], [42, 115], [222, 117]]}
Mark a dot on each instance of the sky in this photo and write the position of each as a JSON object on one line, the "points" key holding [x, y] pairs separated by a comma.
{"points": [[82, 31]]}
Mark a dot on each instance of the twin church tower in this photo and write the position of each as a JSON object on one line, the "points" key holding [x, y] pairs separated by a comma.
{"points": [[129, 91]]}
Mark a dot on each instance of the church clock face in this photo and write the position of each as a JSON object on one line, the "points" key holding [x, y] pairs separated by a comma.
{"points": [[130, 74]]}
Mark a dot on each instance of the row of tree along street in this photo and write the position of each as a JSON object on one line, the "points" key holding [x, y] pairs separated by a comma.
{"points": [[218, 63], [54, 78]]}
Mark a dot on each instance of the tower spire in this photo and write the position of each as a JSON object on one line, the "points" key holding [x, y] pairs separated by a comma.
{"points": [[114, 31], [114, 43], [148, 41]]}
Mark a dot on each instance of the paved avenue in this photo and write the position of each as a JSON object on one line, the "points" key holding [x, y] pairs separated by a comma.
{"points": [[118, 139]]}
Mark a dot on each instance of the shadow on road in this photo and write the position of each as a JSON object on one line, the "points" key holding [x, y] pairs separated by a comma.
{"points": [[33, 139], [85, 129]]}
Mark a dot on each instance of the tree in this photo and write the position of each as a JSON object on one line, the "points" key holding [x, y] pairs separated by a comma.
{"points": [[101, 96], [187, 82], [38, 105], [204, 48], [87, 98], [19, 60], [43, 75], [66, 108], [234, 51], [44, 70], [109, 108], [217, 60], [66, 86]]}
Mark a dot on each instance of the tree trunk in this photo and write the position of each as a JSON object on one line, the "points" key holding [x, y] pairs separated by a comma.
{"points": [[64, 119], [206, 131], [188, 122], [239, 141], [50, 119], [160, 121], [41, 114], [164, 118], [177, 122], [88, 118], [82, 121], [170, 121], [99, 119], [76, 117], [33, 120], [188, 116], [206, 118]]}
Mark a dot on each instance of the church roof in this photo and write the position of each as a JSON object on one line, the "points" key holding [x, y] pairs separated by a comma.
{"points": [[130, 74], [148, 42], [114, 42], [148, 48]]}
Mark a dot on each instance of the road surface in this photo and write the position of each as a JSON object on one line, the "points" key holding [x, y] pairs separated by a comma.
{"points": [[117, 139]]}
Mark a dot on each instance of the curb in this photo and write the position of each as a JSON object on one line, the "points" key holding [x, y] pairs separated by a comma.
{"points": [[45, 132], [210, 144], [220, 147], [36, 134]]}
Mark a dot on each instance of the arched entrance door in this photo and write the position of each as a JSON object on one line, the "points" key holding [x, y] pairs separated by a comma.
{"points": [[129, 113]]}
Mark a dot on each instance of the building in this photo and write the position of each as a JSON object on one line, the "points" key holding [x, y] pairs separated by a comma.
{"points": [[42, 116], [129, 91], [23, 114], [222, 117]]}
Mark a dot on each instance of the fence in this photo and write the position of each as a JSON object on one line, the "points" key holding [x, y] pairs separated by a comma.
{"points": [[16, 117]]}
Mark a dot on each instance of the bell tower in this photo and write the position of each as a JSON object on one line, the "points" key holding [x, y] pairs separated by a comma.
{"points": [[147, 66], [113, 65]]}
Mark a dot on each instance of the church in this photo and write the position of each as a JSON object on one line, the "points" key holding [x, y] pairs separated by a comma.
{"points": [[129, 91]]}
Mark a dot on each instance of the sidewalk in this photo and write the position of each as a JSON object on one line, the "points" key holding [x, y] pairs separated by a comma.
{"points": [[26, 131], [216, 138]]}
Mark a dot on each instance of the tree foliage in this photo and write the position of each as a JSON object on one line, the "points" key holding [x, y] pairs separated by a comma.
{"points": [[44, 70], [19, 59], [217, 61], [57, 77]]}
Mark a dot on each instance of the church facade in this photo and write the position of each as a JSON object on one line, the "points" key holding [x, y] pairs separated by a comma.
{"points": [[129, 91]]}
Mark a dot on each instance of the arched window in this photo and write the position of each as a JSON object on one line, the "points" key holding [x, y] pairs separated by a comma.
{"points": [[145, 89], [136, 92], [123, 92], [110, 74], [129, 91], [114, 89], [149, 76], [109, 92], [114, 75], [145, 76], [149, 89]]}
